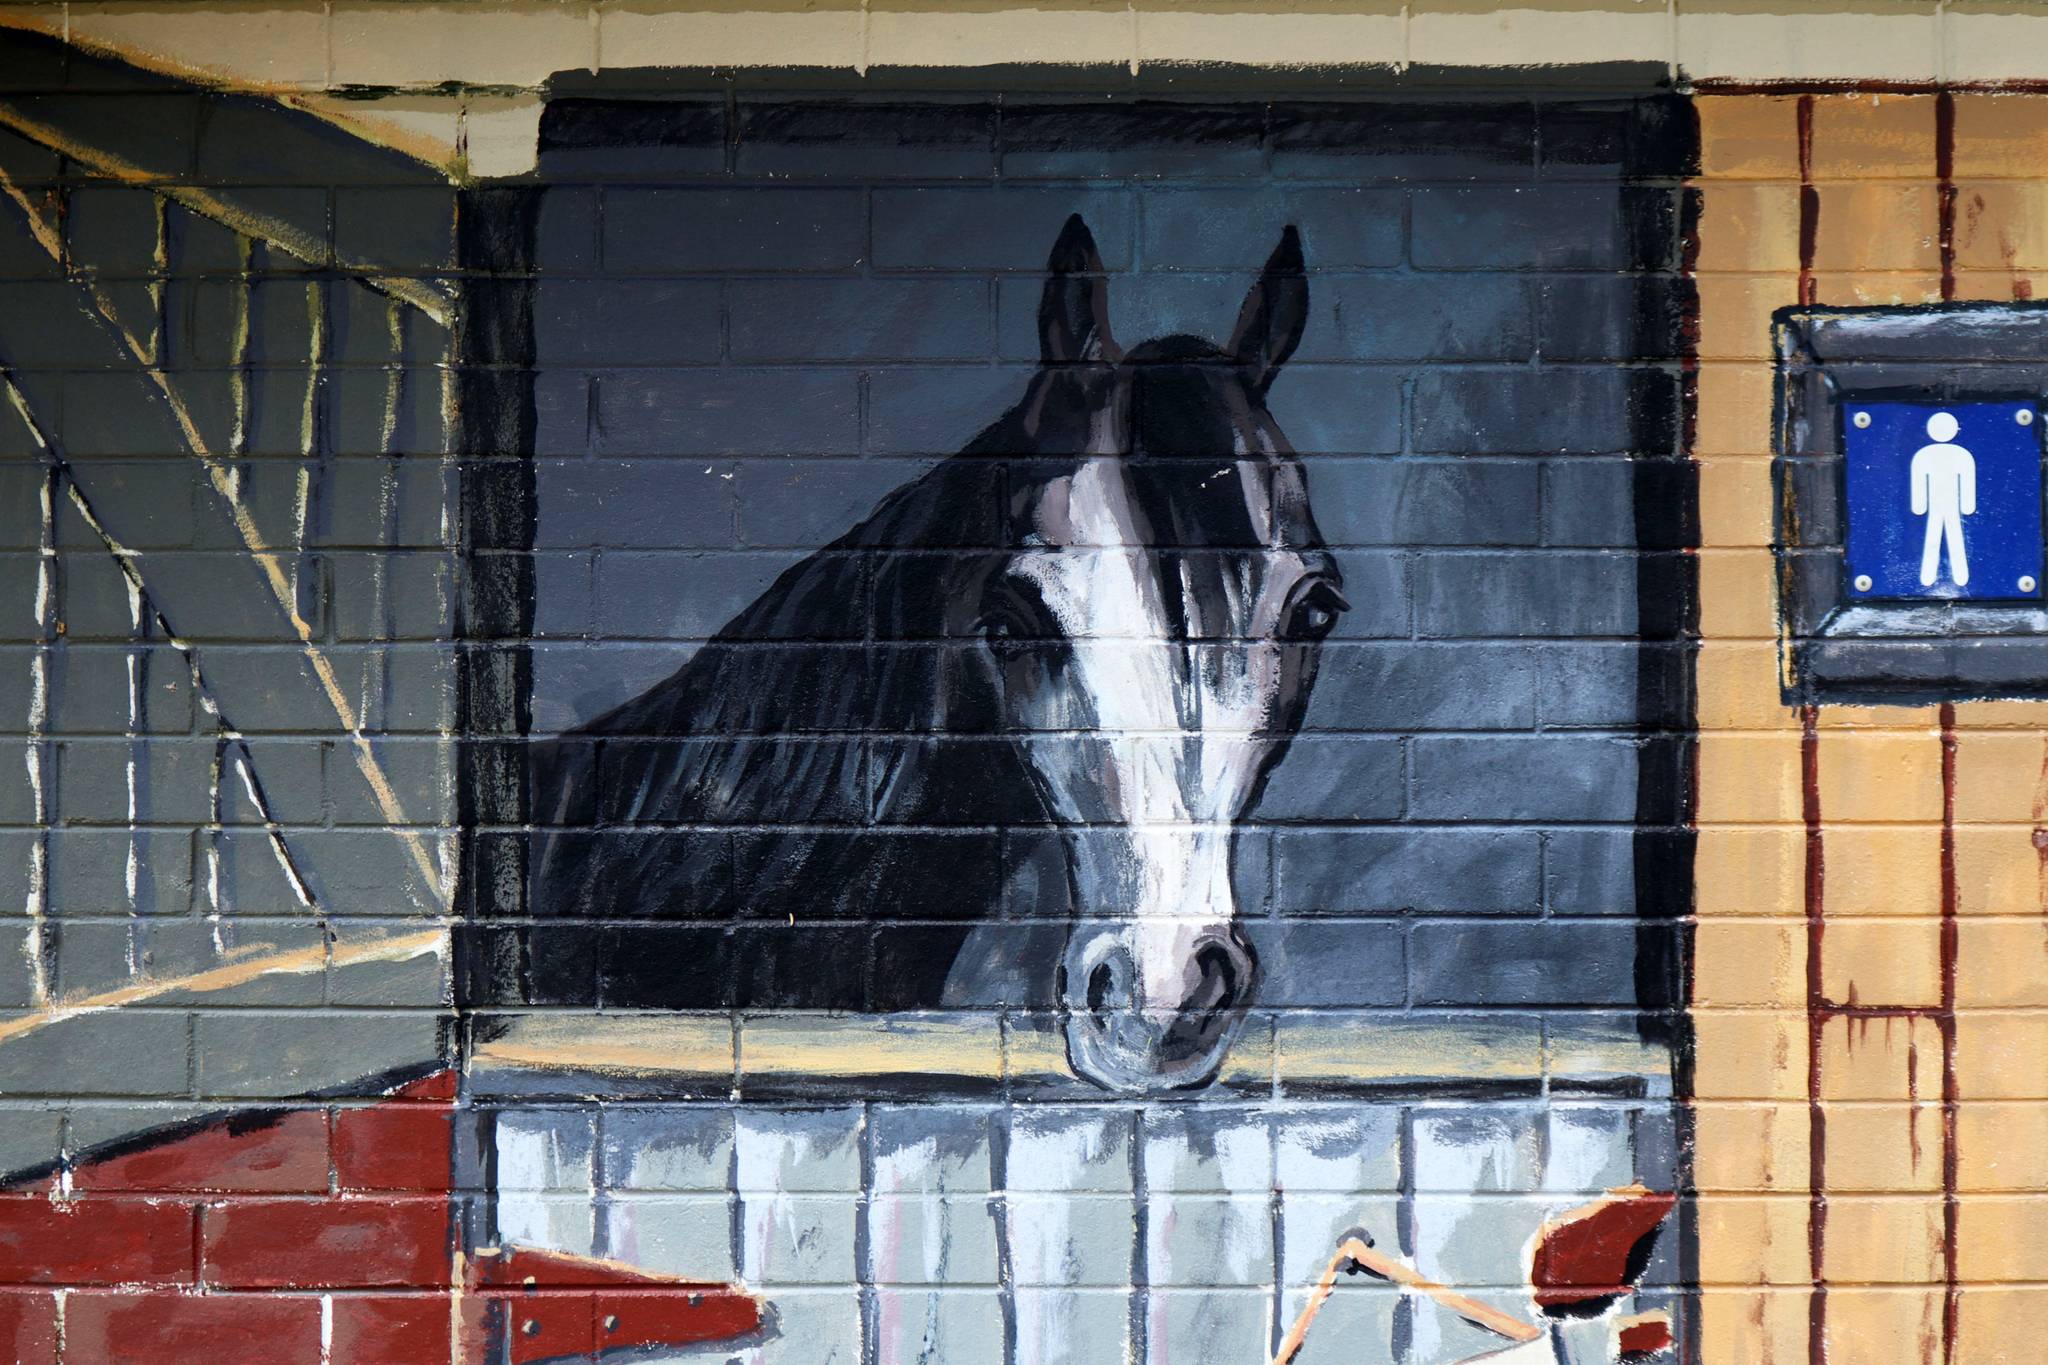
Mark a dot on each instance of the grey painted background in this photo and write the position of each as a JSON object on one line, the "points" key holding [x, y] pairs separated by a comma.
{"points": [[748, 332]]}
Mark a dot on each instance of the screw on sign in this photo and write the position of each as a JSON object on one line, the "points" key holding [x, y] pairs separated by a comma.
{"points": [[1582, 1264]]}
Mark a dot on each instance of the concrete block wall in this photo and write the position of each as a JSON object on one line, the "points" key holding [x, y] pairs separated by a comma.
{"points": [[1866, 874], [754, 318], [243, 468]]}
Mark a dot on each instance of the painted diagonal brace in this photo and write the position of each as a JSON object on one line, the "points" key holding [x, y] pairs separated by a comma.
{"points": [[269, 228], [271, 568], [124, 560], [243, 967]]}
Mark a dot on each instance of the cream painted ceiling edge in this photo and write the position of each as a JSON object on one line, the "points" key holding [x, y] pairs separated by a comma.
{"points": [[454, 83]]}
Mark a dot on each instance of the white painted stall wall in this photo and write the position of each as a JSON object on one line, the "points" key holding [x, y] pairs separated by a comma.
{"points": [[1072, 1234]]}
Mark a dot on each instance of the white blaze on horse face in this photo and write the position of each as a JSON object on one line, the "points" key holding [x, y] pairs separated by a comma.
{"points": [[1163, 740]]}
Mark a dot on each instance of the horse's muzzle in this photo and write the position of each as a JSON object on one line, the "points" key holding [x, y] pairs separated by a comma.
{"points": [[1123, 1041]]}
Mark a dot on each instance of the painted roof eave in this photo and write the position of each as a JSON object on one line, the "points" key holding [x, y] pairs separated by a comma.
{"points": [[460, 87]]}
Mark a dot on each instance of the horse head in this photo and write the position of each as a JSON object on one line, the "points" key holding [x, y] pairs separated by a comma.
{"points": [[1155, 628], [1101, 617]]}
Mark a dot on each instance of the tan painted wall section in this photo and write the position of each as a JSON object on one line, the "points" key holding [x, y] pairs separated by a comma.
{"points": [[1871, 882]]}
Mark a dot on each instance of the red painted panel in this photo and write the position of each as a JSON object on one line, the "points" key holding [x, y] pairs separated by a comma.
{"points": [[675, 1317], [547, 1304], [556, 1304], [441, 1085], [548, 1324], [395, 1147], [94, 1239], [28, 1327], [1644, 1337], [191, 1329], [265, 1154], [1594, 1253], [392, 1329], [326, 1243]]}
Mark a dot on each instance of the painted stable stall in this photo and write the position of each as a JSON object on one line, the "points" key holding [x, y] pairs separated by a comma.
{"points": [[990, 1205], [783, 315], [613, 425]]}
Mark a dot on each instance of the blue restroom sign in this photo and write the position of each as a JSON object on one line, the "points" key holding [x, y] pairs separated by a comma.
{"points": [[1944, 499]]}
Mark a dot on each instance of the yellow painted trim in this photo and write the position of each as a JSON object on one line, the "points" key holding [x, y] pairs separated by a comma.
{"points": [[243, 967], [1305, 1049]]}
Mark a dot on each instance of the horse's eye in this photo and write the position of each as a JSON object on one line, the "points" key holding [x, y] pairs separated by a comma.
{"points": [[1315, 612], [1014, 625], [1005, 635]]}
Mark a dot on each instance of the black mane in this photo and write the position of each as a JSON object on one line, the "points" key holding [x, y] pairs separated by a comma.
{"points": [[803, 766]]}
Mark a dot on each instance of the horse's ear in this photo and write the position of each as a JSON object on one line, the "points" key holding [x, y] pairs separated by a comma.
{"points": [[1073, 317], [1269, 326]]}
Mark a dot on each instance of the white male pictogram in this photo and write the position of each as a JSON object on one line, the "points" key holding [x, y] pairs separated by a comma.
{"points": [[1944, 491]]}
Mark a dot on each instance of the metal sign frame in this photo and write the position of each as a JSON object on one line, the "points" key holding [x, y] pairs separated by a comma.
{"points": [[1839, 644]]}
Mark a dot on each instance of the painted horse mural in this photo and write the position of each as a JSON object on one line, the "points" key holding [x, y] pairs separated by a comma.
{"points": [[1096, 626]]}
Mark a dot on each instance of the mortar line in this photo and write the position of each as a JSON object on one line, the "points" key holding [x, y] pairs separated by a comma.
{"points": [[869, 1300], [1945, 1020], [1140, 1311], [1815, 871], [999, 1201], [1276, 1213], [39, 756], [1401, 1329], [1816, 1024]]}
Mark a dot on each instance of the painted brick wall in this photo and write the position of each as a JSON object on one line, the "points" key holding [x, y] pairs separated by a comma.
{"points": [[247, 592], [315, 470]]}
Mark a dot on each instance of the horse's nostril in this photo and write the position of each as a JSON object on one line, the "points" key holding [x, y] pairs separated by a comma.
{"points": [[1101, 982], [1119, 1038], [1218, 986]]}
